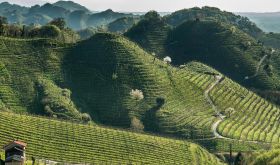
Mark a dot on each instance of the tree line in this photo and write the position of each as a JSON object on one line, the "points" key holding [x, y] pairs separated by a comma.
{"points": [[54, 29]]}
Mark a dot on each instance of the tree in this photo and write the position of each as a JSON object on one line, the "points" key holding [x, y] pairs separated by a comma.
{"points": [[136, 94], [3, 22], [59, 22], [49, 31], [153, 15]]}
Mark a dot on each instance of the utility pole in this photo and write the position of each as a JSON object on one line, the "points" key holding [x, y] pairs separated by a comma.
{"points": [[230, 154]]}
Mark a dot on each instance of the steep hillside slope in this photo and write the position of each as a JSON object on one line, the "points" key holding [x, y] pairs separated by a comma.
{"points": [[74, 143], [227, 49], [103, 73], [105, 17], [150, 33], [265, 21], [212, 13], [26, 67], [71, 6], [121, 25], [222, 46]]}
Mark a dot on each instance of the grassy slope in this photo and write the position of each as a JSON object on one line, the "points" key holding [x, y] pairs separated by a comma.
{"points": [[109, 99], [30, 70], [87, 69], [219, 45], [232, 52], [68, 142]]}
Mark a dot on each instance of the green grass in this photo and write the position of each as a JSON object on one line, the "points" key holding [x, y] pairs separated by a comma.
{"points": [[75, 143]]}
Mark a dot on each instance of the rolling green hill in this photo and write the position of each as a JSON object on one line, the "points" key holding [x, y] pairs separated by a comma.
{"points": [[70, 5], [121, 25], [97, 76], [227, 49], [212, 13], [222, 46], [150, 33], [74, 143]]}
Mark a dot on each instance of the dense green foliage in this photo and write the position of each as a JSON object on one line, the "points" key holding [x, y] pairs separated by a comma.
{"points": [[270, 157], [150, 33], [57, 102]]}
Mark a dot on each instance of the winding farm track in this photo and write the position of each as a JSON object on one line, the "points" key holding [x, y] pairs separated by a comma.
{"points": [[219, 79], [257, 69]]}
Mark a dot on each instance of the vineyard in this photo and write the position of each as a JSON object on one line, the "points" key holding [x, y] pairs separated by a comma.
{"points": [[252, 118], [96, 76], [69, 142]]}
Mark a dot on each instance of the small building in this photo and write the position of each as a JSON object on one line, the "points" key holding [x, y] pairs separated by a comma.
{"points": [[15, 153]]}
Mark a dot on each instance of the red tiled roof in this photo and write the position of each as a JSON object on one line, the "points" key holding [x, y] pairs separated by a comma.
{"points": [[15, 143], [20, 143]]}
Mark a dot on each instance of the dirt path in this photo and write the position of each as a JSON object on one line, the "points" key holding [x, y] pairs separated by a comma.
{"points": [[258, 68], [219, 79]]}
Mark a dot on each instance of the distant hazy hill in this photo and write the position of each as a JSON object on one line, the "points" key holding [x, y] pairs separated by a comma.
{"points": [[122, 24], [77, 16], [269, 22], [7, 7], [71, 6]]}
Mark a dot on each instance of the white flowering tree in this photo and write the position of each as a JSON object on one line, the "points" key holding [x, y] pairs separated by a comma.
{"points": [[167, 60], [136, 95]]}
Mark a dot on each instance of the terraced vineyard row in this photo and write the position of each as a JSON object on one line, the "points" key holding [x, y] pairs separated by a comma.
{"points": [[69, 142], [249, 117], [180, 113]]}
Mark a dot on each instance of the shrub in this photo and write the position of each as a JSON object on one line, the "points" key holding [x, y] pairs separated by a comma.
{"points": [[86, 117], [58, 22], [114, 76], [153, 15], [49, 31]]}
